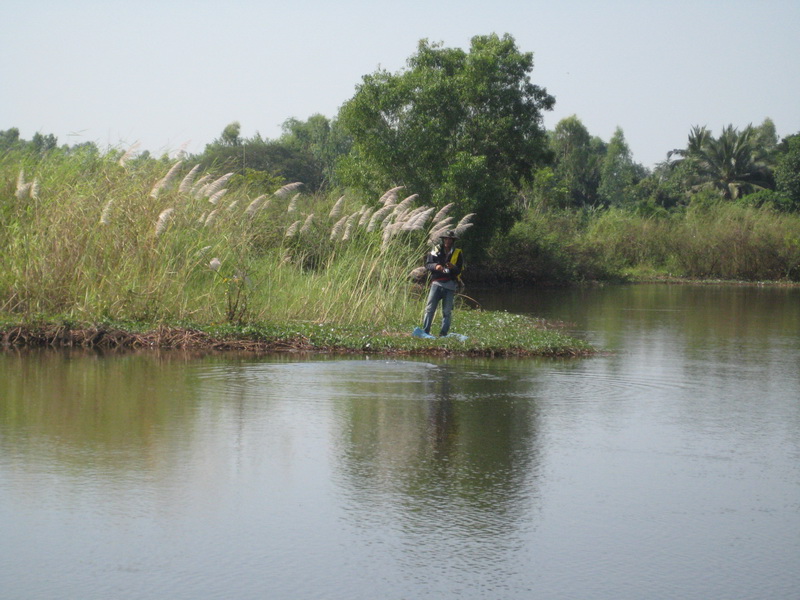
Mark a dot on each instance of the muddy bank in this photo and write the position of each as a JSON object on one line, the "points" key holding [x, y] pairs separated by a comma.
{"points": [[106, 338]]}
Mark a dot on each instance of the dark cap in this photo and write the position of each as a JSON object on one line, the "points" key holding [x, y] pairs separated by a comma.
{"points": [[450, 233]]}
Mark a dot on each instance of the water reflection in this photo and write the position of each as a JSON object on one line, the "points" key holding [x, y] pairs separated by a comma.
{"points": [[76, 404], [442, 426], [444, 462], [669, 463]]}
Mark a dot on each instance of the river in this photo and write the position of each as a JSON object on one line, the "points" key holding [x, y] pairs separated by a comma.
{"points": [[668, 466]]}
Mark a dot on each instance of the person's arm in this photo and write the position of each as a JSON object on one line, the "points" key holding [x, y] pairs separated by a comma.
{"points": [[432, 263]]}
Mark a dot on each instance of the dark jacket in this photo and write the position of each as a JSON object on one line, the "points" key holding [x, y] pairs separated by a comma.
{"points": [[437, 256]]}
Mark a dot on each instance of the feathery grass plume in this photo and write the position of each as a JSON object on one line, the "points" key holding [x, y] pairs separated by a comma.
{"points": [[402, 219], [23, 190], [105, 216], [396, 217], [166, 180], [255, 205], [442, 212], [292, 204], [202, 219], [423, 218], [464, 224], [365, 216], [214, 264], [351, 221], [390, 220], [163, 219], [210, 218], [287, 189], [438, 229], [202, 250], [417, 222], [292, 229], [307, 225], [156, 189], [186, 183], [388, 233], [390, 197], [35, 189], [216, 196], [378, 217], [336, 231], [403, 207], [215, 186], [128, 154], [413, 214], [233, 205], [446, 223], [337, 209], [461, 229], [200, 184]]}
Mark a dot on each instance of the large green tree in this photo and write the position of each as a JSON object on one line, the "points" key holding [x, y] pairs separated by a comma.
{"points": [[578, 160], [618, 172], [455, 126], [321, 139]]}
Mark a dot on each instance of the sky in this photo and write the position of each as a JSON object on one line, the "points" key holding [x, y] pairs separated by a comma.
{"points": [[171, 74]]}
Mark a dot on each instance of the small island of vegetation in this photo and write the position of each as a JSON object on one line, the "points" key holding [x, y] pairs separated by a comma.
{"points": [[120, 256]]}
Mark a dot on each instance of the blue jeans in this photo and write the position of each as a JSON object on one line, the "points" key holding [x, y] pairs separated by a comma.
{"points": [[448, 299]]}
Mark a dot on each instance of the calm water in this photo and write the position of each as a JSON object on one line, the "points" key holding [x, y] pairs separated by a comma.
{"points": [[667, 468]]}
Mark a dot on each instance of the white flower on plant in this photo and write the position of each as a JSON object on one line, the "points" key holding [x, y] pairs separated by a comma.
{"points": [[215, 264]]}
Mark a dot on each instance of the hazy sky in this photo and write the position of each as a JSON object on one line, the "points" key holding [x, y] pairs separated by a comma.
{"points": [[171, 74]]}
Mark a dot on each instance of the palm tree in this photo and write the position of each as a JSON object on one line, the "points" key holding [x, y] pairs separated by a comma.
{"points": [[698, 136], [733, 163]]}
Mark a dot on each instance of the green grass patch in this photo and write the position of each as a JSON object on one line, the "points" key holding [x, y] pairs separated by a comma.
{"points": [[487, 334]]}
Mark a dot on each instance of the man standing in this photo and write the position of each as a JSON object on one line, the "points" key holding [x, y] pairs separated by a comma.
{"points": [[445, 264]]}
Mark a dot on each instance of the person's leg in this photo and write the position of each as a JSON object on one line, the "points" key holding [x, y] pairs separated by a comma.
{"points": [[430, 307], [448, 301]]}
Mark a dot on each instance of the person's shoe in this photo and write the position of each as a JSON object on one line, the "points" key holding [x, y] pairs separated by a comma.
{"points": [[419, 333]]}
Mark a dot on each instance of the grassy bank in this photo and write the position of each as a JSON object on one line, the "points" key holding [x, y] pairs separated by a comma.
{"points": [[108, 253], [490, 334]]}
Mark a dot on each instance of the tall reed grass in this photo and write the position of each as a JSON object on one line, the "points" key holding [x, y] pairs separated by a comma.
{"points": [[711, 241], [105, 237]]}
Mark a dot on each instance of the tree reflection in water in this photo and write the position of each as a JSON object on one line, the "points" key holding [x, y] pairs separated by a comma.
{"points": [[442, 453]]}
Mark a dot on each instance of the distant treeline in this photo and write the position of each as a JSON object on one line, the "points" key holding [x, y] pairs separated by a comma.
{"points": [[464, 128]]}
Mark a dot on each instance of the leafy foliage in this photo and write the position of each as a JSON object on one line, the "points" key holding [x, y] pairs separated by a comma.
{"points": [[578, 161], [787, 171], [463, 127], [322, 140], [618, 173], [231, 153], [733, 164]]}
